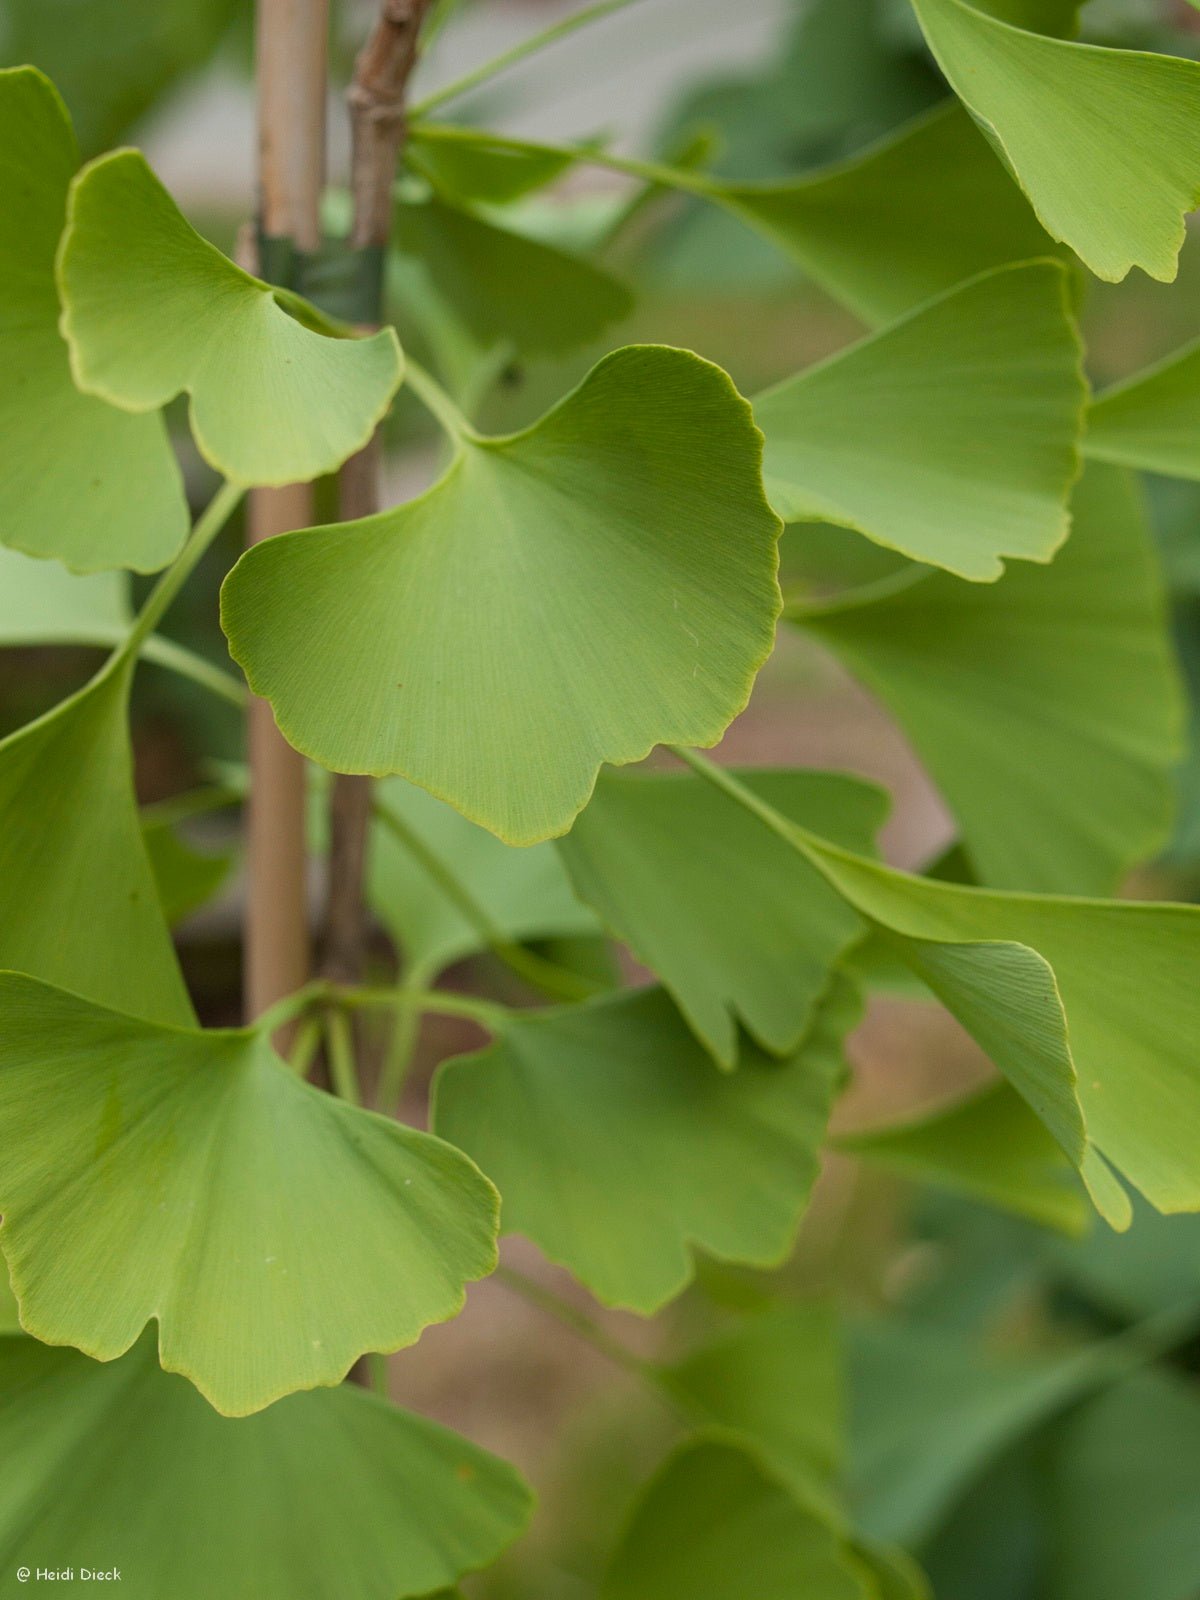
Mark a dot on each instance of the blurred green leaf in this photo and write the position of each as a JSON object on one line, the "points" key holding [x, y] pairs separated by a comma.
{"points": [[82, 481], [274, 1232], [716, 1525], [107, 1464], [1152, 419], [114, 60], [150, 309], [186, 878], [989, 1145], [620, 1149], [702, 897], [951, 436], [505, 286], [417, 888]]}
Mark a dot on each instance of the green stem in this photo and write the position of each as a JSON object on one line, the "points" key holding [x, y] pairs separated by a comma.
{"points": [[305, 1045], [518, 52], [488, 1013], [401, 1047], [578, 1321], [210, 522], [343, 1070], [437, 402], [554, 981], [186, 663], [649, 171]]}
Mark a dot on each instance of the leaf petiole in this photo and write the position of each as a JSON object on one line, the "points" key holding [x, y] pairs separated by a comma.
{"points": [[208, 525], [438, 403]]}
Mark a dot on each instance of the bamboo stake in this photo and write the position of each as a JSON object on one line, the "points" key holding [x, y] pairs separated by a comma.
{"points": [[292, 51]]}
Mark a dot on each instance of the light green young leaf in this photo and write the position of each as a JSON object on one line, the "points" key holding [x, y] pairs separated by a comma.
{"points": [[908, 219], [520, 894], [274, 1232], [776, 1381], [150, 309], [1029, 698], [83, 482], [951, 436], [620, 1149], [478, 172], [564, 596], [42, 603], [81, 907], [1123, 1503], [119, 1464], [1151, 420], [1019, 971], [716, 1524], [990, 1146], [738, 936], [1105, 143], [505, 286]]}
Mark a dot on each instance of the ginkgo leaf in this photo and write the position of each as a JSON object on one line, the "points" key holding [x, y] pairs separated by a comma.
{"points": [[438, 892], [1106, 143], [274, 1232], [620, 1149], [889, 228], [81, 907], [951, 436], [191, 1504], [504, 285], [717, 1524], [911, 217], [150, 309], [1120, 1485], [42, 603], [1152, 419], [735, 940], [186, 878], [990, 1146], [68, 462], [564, 596], [929, 1412], [776, 1380], [1088, 1007], [1028, 698]]}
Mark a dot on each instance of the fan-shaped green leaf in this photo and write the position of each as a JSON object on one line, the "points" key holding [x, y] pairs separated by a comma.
{"points": [[504, 285], [951, 436], [906, 220], [565, 596], [1029, 698], [517, 895], [715, 1524], [274, 1232], [990, 1146], [186, 878], [1122, 1496], [81, 481], [119, 1464], [734, 938], [930, 1411], [1019, 970], [619, 1148], [1151, 420], [42, 603], [151, 309], [1106, 143], [776, 1380], [80, 904]]}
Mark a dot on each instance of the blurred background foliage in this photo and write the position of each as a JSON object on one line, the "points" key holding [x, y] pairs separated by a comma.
{"points": [[1018, 1408]]}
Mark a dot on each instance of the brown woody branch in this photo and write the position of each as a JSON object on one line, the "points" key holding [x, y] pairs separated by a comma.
{"points": [[376, 101]]}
